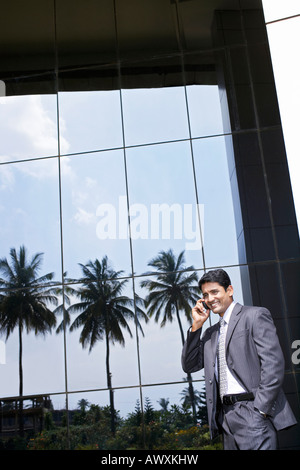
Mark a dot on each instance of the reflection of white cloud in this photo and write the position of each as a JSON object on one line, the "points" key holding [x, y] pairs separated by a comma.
{"points": [[21, 213], [28, 130], [83, 194], [36, 124], [28, 126], [82, 197], [83, 217], [79, 197], [90, 182]]}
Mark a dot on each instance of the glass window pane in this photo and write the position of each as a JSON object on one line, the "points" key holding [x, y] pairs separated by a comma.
{"points": [[204, 110], [28, 126], [166, 331], [89, 120], [163, 208], [40, 350], [89, 369], [29, 196], [95, 221], [154, 115], [42, 360], [214, 190]]}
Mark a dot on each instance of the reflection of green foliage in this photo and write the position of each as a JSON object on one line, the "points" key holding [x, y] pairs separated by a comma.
{"points": [[48, 421], [164, 429]]}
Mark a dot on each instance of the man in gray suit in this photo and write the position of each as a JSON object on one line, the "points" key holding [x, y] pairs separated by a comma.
{"points": [[253, 407]]}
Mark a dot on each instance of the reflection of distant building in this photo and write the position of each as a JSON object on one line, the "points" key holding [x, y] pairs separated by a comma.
{"points": [[36, 408], [34, 411]]}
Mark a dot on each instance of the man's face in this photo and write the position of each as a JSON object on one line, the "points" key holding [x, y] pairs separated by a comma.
{"points": [[216, 297]]}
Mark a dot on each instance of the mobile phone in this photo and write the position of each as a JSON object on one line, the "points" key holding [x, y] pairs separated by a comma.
{"points": [[205, 306]]}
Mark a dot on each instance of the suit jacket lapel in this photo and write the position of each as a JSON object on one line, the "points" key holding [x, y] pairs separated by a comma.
{"points": [[214, 340], [234, 318]]}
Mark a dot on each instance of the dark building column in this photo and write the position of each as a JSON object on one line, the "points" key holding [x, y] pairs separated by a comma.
{"points": [[267, 229]]}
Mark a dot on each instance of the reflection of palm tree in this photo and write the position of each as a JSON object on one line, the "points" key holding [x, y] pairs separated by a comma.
{"points": [[186, 399], [24, 303], [164, 403], [67, 291], [200, 401], [173, 290], [104, 312]]}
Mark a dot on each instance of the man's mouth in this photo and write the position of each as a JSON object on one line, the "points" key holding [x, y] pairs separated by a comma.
{"points": [[214, 304]]}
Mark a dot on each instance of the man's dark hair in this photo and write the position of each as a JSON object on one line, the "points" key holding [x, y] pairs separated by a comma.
{"points": [[217, 275]]}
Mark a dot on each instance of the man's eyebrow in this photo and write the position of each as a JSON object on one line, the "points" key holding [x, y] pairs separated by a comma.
{"points": [[211, 290]]}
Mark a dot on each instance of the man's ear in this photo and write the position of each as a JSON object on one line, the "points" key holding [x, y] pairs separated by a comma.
{"points": [[230, 290]]}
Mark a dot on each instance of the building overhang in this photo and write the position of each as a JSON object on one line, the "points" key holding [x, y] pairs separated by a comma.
{"points": [[108, 44]]}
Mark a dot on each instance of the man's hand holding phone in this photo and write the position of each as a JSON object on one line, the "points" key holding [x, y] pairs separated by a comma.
{"points": [[200, 314]]}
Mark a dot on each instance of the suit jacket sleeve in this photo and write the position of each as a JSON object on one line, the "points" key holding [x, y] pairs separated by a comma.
{"points": [[192, 352], [271, 361]]}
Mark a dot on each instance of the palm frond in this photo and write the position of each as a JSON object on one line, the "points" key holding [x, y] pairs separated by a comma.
{"points": [[172, 288]]}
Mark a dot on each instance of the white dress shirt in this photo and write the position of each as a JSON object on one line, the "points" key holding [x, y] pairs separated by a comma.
{"points": [[233, 385]]}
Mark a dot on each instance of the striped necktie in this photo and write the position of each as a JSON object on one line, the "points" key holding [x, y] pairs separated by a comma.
{"points": [[222, 360]]}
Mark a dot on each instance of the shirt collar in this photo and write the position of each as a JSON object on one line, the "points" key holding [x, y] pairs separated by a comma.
{"points": [[228, 312]]}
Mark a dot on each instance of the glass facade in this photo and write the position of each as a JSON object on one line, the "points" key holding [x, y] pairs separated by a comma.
{"points": [[116, 162]]}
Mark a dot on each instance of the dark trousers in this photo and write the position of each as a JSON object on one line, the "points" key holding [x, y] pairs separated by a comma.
{"points": [[244, 428]]}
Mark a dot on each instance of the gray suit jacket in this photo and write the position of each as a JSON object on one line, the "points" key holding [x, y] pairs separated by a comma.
{"points": [[254, 357]]}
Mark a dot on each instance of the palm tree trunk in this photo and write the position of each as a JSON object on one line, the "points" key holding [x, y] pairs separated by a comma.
{"points": [[192, 396], [21, 424], [189, 376], [180, 325], [109, 386]]}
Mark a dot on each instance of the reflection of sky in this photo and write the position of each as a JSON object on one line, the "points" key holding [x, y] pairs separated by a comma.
{"points": [[90, 120], [162, 172], [28, 127]]}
